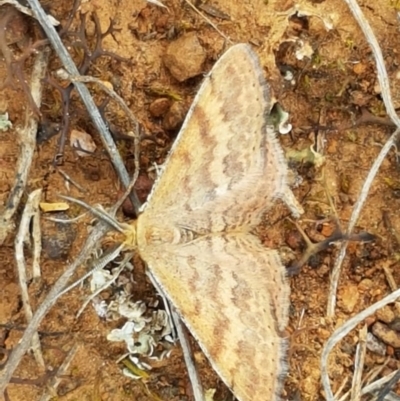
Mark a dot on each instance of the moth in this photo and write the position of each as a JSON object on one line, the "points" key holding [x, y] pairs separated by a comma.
{"points": [[196, 230], [224, 171]]}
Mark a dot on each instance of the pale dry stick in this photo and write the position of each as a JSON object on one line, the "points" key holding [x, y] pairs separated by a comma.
{"points": [[208, 21], [37, 240], [111, 93], [30, 210], [18, 352], [67, 221], [359, 365], [26, 10], [56, 380], [340, 389], [370, 376], [198, 391], [84, 93], [104, 261], [389, 277], [69, 179], [387, 388], [387, 98], [376, 371], [378, 384], [27, 144], [341, 332]]}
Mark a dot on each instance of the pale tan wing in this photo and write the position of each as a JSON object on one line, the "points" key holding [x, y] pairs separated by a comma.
{"points": [[223, 154], [226, 289]]}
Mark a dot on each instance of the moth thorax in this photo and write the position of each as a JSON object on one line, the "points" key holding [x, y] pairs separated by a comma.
{"points": [[162, 235], [130, 235]]}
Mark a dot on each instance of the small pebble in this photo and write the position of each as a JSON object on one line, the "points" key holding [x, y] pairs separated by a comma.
{"points": [[184, 57]]}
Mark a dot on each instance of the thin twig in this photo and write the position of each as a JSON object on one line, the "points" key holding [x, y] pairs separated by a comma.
{"points": [[198, 392], [387, 98], [341, 332], [27, 10], [388, 386], [378, 384], [27, 144], [32, 205], [111, 93], [100, 264], [87, 99], [359, 365], [56, 379], [116, 274], [208, 20]]}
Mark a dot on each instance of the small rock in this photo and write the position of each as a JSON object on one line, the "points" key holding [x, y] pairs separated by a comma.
{"points": [[387, 335], [385, 314], [395, 324], [184, 57], [374, 345], [348, 298], [174, 117], [142, 187], [365, 285], [159, 107], [82, 142]]}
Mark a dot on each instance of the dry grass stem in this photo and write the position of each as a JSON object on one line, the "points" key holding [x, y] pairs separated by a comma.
{"points": [[56, 379], [30, 211], [111, 93], [27, 10], [208, 21], [100, 264], [198, 392], [359, 365]]}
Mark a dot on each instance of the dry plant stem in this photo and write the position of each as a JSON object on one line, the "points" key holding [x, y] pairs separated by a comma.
{"points": [[208, 20], [37, 239], [389, 277], [26, 10], [340, 389], [198, 392], [387, 98], [386, 390], [31, 208], [69, 179], [27, 143], [91, 107], [19, 351], [111, 93], [56, 380], [98, 266], [378, 384], [359, 365], [341, 332]]}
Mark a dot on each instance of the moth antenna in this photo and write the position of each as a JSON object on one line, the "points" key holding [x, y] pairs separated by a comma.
{"points": [[101, 214]]}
